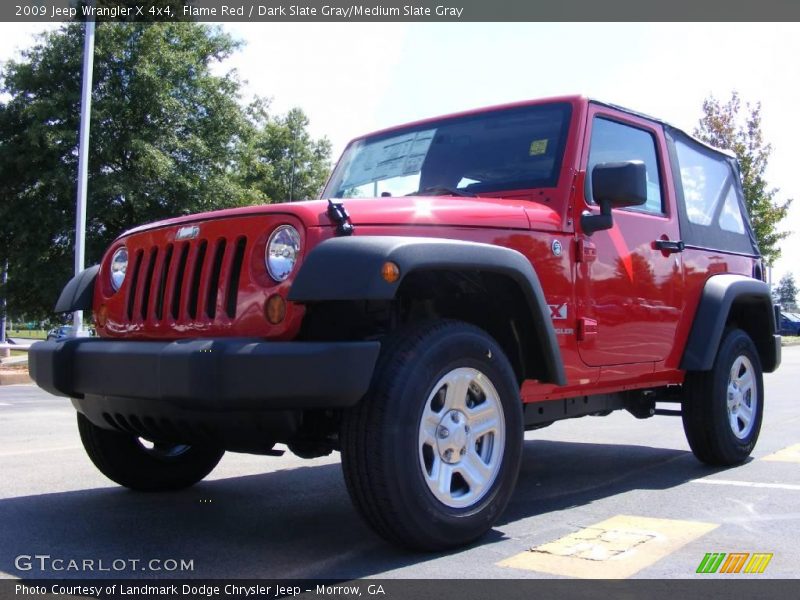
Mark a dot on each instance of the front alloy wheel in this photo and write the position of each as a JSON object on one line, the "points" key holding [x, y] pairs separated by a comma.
{"points": [[461, 438], [431, 454]]}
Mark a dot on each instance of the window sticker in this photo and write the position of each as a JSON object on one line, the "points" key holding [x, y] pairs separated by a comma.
{"points": [[394, 157], [538, 147]]}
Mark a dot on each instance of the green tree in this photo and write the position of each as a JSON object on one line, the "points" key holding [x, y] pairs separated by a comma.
{"points": [[284, 162], [730, 127], [785, 293], [169, 136]]}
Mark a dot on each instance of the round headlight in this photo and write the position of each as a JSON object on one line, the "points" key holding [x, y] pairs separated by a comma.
{"points": [[119, 264], [282, 252]]}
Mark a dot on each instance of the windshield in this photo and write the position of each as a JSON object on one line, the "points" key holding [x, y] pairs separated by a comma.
{"points": [[509, 149]]}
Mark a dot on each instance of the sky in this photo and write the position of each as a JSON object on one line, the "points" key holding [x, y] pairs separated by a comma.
{"points": [[352, 78]]}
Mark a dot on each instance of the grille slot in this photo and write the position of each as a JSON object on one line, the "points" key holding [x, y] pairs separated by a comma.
{"points": [[162, 283], [235, 273], [161, 430], [213, 284], [148, 281], [176, 292], [194, 288], [134, 282], [136, 424], [152, 429], [122, 423]]}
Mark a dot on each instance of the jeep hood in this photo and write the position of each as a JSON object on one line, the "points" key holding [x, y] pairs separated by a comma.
{"points": [[441, 211]]}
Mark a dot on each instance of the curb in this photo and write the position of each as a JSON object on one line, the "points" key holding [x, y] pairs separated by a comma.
{"points": [[11, 378]]}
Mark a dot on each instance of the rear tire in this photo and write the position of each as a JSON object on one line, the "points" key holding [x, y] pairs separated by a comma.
{"points": [[723, 407], [150, 467], [432, 453]]}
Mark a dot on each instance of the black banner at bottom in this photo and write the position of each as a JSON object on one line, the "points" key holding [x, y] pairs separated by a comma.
{"points": [[399, 589]]}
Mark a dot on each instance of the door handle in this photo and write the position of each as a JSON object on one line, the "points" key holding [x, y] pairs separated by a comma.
{"points": [[669, 246]]}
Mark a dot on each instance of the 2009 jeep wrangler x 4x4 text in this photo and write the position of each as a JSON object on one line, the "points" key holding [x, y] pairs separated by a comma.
{"points": [[464, 279]]}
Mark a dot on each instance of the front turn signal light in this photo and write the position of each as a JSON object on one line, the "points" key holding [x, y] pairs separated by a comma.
{"points": [[390, 272], [275, 309], [101, 316]]}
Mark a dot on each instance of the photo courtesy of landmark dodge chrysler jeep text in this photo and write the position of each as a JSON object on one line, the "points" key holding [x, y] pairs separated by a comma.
{"points": [[462, 280]]}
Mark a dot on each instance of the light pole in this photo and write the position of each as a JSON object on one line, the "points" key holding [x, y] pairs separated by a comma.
{"points": [[83, 159], [3, 280]]}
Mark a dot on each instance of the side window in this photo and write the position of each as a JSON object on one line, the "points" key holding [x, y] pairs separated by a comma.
{"points": [[615, 142], [712, 210], [708, 190], [730, 219]]}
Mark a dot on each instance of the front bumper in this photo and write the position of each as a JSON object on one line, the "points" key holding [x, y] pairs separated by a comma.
{"points": [[237, 394], [223, 374]]}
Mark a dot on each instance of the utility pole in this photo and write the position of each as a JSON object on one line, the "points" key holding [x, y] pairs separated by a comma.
{"points": [[83, 158], [5, 351], [4, 280]]}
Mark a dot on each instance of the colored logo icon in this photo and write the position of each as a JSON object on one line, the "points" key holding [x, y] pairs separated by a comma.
{"points": [[735, 562]]}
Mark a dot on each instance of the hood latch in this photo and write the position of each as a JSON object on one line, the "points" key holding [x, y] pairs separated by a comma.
{"points": [[338, 214]]}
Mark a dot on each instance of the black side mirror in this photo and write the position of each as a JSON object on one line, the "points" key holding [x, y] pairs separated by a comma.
{"points": [[615, 185]]}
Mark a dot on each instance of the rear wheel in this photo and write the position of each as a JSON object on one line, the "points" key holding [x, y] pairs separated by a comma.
{"points": [[431, 455], [723, 407], [143, 465]]}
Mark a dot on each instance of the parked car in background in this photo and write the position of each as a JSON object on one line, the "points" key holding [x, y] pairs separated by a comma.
{"points": [[60, 333], [66, 331], [790, 324]]}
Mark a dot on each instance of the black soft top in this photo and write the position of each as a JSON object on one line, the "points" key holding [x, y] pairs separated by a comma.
{"points": [[696, 235]]}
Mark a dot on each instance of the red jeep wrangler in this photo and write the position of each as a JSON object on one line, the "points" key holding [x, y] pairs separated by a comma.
{"points": [[463, 280]]}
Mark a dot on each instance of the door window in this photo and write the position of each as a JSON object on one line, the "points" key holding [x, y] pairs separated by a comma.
{"points": [[615, 142]]}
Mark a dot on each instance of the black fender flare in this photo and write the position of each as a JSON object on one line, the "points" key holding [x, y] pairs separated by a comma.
{"points": [[79, 292], [719, 295], [349, 268]]}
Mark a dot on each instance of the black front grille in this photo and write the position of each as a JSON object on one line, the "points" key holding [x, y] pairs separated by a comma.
{"points": [[185, 280]]}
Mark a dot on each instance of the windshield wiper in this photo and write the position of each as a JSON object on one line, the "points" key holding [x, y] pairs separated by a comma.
{"points": [[441, 190]]}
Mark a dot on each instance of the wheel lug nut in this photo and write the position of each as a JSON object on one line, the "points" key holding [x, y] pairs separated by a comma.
{"points": [[463, 451], [448, 454], [454, 417], [443, 433], [466, 428]]}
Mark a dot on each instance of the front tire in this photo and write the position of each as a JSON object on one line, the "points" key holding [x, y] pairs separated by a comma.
{"points": [[144, 466], [723, 407], [432, 453]]}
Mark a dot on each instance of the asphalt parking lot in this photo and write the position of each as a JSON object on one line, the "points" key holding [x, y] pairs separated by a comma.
{"points": [[597, 497]]}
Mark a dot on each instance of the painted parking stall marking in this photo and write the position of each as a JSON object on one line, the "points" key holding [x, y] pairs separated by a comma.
{"points": [[790, 454], [612, 549], [752, 484]]}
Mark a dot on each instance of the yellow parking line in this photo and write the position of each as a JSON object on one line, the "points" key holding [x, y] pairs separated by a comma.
{"points": [[790, 454], [612, 549]]}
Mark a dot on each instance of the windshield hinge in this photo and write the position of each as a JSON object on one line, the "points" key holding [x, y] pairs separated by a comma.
{"points": [[338, 214]]}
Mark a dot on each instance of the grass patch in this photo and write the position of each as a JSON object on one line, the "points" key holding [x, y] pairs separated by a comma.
{"points": [[35, 334], [790, 340]]}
